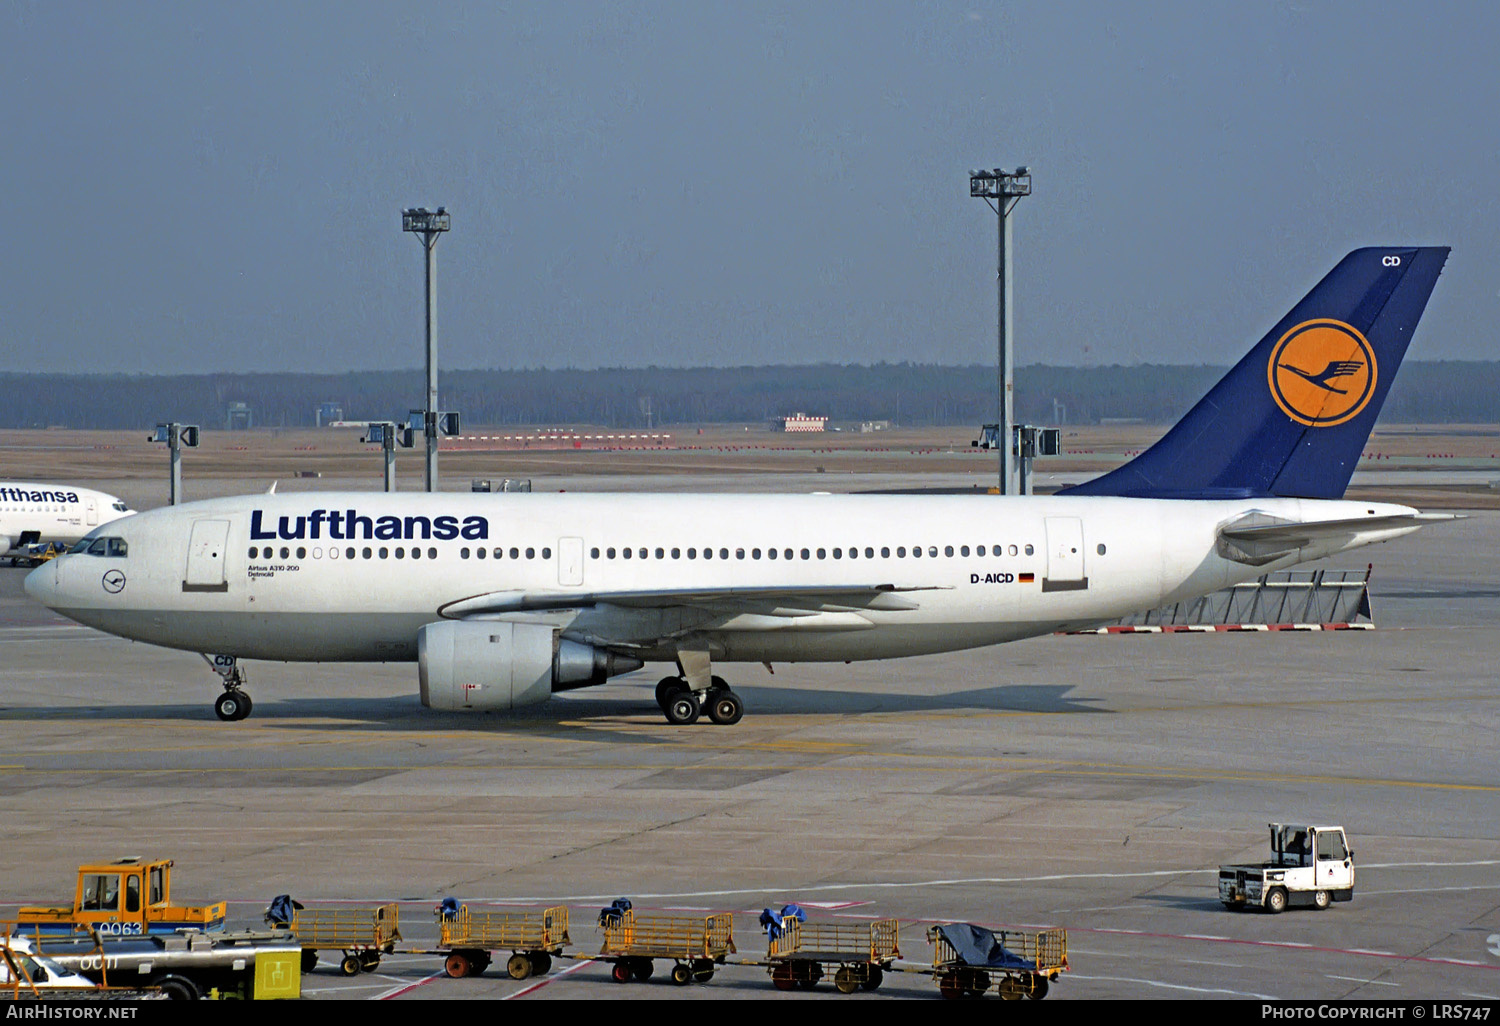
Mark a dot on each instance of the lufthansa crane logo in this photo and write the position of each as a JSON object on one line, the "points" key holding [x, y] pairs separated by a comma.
{"points": [[114, 582], [1322, 373]]}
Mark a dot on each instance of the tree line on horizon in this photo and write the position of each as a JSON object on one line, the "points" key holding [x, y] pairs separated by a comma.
{"points": [[904, 394]]}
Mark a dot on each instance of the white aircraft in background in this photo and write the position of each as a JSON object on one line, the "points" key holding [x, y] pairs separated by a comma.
{"points": [[503, 600], [33, 513]]}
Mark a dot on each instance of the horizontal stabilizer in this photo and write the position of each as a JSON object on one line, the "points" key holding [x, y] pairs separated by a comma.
{"points": [[1257, 538]]}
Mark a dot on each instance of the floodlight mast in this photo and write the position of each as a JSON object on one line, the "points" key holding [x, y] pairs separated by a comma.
{"points": [[1002, 190], [427, 226]]}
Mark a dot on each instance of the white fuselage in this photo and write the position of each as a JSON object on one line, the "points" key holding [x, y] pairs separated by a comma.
{"points": [[32, 512], [310, 576]]}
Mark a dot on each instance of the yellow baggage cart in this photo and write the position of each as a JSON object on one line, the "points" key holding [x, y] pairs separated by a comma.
{"points": [[532, 937], [695, 944], [966, 959], [859, 954], [363, 935]]}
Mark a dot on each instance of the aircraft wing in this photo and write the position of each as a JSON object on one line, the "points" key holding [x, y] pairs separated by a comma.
{"points": [[783, 601], [1256, 538]]}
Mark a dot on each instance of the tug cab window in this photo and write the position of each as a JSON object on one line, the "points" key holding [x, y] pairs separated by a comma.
{"points": [[101, 892]]}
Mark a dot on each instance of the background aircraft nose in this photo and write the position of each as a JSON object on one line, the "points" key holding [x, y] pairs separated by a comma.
{"points": [[41, 583]]}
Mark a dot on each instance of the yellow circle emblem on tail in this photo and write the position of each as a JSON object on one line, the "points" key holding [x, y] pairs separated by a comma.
{"points": [[1322, 373]]}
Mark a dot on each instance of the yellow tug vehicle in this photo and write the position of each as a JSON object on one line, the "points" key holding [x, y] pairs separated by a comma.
{"points": [[128, 898]]}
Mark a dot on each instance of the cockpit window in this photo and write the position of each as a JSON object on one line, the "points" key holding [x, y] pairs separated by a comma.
{"points": [[102, 547], [118, 505]]}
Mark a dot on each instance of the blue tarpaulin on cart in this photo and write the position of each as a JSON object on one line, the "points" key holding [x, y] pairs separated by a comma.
{"points": [[282, 909], [975, 945], [615, 913], [775, 922]]}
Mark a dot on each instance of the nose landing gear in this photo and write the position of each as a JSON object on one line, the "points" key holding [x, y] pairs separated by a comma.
{"points": [[234, 703]]}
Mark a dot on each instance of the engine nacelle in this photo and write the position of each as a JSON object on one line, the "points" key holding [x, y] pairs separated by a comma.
{"points": [[5, 544], [496, 666]]}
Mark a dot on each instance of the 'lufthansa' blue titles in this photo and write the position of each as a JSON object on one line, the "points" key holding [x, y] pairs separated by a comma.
{"points": [[350, 525]]}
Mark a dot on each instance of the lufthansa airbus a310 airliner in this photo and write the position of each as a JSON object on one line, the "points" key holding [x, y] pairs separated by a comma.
{"points": [[504, 599]]}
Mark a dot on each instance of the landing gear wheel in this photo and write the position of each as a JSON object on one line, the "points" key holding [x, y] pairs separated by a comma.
{"points": [[457, 966], [666, 688], [620, 972], [717, 684], [1276, 901], [1321, 900], [682, 974], [350, 965], [233, 705], [541, 963], [682, 709], [642, 968], [725, 707]]}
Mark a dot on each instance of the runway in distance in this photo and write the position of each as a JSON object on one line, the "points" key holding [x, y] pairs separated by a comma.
{"points": [[32, 513], [504, 599]]}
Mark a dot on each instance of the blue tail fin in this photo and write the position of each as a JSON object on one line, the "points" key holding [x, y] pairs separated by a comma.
{"points": [[1292, 417]]}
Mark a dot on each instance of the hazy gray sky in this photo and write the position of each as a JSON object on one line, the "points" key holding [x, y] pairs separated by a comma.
{"points": [[217, 186]]}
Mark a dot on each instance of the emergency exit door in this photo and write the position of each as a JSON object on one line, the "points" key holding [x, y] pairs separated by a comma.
{"points": [[570, 562]]}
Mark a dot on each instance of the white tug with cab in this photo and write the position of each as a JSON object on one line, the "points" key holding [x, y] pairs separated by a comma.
{"points": [[1310, 865]]}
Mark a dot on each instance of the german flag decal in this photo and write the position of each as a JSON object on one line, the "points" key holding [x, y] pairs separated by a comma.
{"points": [[1026, 578]]}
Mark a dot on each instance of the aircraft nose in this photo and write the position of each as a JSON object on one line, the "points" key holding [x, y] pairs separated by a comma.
{"points": [[41, 583]]}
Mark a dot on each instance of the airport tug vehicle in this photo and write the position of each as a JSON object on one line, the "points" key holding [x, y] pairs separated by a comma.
{"points": [[1310, 865], [128, 898]]}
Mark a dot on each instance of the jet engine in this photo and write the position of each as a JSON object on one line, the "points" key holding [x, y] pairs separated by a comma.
{"points": [[5, 544], [496, 666]]}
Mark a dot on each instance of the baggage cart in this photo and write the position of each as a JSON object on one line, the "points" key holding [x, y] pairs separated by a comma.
{"points": [[1026, 962], [532, 937], [858, 954], [695, 944], [361, 934]]}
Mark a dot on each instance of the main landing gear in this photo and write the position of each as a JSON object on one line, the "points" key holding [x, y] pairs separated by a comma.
{"points": [[682, 705], [234, 703]]}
